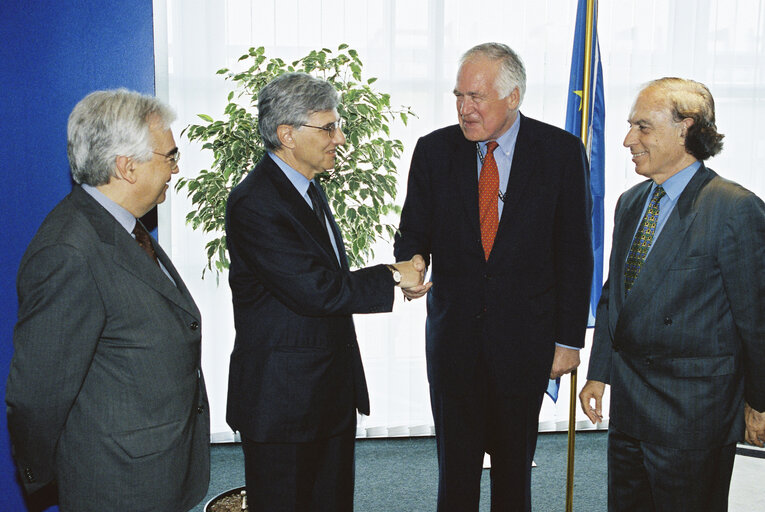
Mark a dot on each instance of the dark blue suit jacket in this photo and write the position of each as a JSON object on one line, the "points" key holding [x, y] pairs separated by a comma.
{"points": [[687, 344], [296, 372], [503, 316]]}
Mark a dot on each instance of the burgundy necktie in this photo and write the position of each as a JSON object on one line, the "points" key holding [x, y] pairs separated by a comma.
{"points": [[144, 240], [488, 191]]}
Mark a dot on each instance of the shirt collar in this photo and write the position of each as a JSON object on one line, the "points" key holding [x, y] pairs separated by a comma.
{"points": [[506, 141], [675, 185], [124, 217], [298, 181]]}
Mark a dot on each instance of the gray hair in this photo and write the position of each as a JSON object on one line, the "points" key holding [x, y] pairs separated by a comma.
{"points": [[511, 74], [691, 99], [290, 99], [108, 124]]}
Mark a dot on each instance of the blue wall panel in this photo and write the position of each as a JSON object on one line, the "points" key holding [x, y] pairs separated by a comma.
{"points": [[51, 55]]}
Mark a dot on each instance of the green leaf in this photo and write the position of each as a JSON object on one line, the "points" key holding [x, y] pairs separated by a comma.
{"points": [[360, 190]]}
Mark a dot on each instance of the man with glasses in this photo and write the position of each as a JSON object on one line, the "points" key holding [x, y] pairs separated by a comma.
{"points": [[296, 379], [105, 396]]}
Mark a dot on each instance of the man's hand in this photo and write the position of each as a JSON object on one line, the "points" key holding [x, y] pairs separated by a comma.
{"points": [[565, 360], [755, 426], [418, 289], [593, 390]]}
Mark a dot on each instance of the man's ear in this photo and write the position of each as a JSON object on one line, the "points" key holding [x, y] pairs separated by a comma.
{"points": [[125, 169], [686, 125], [514, 99], [285, 132]]}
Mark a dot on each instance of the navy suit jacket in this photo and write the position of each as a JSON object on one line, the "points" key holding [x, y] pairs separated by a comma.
{"points": [[296, 373], [503, 315], [687, 344]]}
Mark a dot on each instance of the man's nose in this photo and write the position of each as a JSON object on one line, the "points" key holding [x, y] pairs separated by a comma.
{"points": [[339, 137]]}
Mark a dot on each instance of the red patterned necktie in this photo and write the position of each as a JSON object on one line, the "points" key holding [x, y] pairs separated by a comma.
{"points": [[488, 191], [144, 240]]}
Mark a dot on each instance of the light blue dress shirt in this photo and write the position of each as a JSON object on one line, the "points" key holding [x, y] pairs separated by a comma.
{"points": [[301, 183]]}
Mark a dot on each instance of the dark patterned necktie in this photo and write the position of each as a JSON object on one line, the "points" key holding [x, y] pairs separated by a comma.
{"points": [[642, 241], [313, 194], [488, 190], [144, 240]]}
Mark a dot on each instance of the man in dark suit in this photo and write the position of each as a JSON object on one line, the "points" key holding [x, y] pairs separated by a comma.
{"points": [[500, 206], [680, 328], [296, 378], [105, 396]]}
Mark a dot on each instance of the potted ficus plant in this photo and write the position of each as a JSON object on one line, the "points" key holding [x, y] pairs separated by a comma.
{"points": [[362, 187]]}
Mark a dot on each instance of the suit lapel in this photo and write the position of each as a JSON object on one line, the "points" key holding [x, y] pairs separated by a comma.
{"points": [[335, 230], [666, 247], [128, 254], [521, 169], [298, 208], [629, 218], [463, 166]]}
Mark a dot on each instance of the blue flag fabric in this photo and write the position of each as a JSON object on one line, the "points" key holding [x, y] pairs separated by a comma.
{"points": [[595, 144], [552, 389]]}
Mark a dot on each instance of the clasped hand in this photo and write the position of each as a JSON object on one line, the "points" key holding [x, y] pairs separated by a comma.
{"points": [[413, 277]]}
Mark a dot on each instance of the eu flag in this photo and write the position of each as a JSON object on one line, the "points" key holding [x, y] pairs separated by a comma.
{"points": [[586, 110], [585, 99]]}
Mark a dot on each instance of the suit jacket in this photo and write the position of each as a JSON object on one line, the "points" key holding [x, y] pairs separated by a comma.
{"points": [[296, 373], [687, 344], [503, 315], [105, 393]]}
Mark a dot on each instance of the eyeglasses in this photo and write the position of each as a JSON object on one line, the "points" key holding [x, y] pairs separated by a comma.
{"points": [[173, 155], [330, 128]]}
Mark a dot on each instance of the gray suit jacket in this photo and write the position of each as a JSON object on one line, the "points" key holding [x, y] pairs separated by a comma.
{"points": [[687, 345], [105, 394]]}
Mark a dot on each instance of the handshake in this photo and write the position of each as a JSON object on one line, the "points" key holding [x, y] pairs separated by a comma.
{"points": [[413, 277]]}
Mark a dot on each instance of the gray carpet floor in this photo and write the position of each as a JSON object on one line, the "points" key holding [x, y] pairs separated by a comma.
{"points": [[401, 475]]}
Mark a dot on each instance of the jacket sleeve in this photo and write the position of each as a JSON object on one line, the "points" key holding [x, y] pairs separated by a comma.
{"points": [[60, 319], [599, 366], [573, 248], [270, 244], [416, 216], [742, 264]]}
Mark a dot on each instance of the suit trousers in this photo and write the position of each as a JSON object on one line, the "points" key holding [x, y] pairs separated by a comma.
{"points": [[645, 477], [316, 476], [485, 420]]}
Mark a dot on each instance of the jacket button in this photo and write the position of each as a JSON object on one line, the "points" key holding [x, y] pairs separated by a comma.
{"points": [[29, 475], [667, 320], [200, 409], [194, 325]]}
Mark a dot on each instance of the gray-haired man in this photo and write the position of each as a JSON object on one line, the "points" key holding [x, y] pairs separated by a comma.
{"points": [[105, 394], [296, 378]]}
